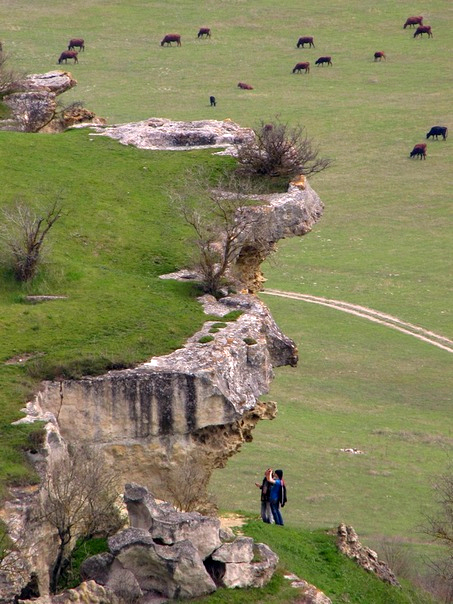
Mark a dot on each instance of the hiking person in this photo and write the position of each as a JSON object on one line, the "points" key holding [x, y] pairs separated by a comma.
{"points": [[277, 495], [265, 486]]}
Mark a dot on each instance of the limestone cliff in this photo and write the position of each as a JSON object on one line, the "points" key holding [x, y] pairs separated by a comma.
{"points": [[194, 408]]}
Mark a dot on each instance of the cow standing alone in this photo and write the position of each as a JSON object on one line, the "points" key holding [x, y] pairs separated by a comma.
{"points": [[204, 31], [245, 86], [379, 55]]}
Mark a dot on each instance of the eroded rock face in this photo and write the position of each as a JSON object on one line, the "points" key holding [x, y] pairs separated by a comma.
{"points": [[33, 104], [159, 133], [180, 556], [199, 402], [348, 543]]}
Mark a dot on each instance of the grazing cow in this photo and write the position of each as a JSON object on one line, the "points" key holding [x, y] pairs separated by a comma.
{"points": [[438, 131], [68, 54], [76, 43], [305, 40], [204, 31], [411, 21], [302, 67], [419, 150], [323, 60], [212, 101], [169, 38], [245, 86], [423, 29], [379, 55]]}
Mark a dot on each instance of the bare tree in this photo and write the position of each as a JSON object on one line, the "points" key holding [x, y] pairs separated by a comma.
{"points": [[80, 495], [221, 217], [23, 233], [440, 526], [8, 77], [278, 149], [186, 483]]}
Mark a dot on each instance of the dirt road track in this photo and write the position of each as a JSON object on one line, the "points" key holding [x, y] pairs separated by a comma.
{"points": [[372, 315]]}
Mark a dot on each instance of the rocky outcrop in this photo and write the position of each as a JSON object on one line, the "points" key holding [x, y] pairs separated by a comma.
{"points": [[160, 133], [190, 409], [175, 555], [348, 543], [33, 104]]}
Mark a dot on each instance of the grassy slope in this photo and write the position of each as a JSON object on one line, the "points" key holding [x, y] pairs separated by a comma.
{"points": [[384, 240], [107, 253]]}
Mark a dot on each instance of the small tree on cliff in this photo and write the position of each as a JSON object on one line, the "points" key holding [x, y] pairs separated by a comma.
{"points": [[278, 149], [440, 526], [22, 235], [79, 501], [220, 216]]}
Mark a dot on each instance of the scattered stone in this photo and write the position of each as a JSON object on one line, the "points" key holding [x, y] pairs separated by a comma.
{"points": [[348, 543]]}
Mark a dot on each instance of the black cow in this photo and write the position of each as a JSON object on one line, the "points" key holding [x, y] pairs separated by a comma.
{"points": [[438, 131], [204, 31], [323, 60], [305, 40], [212, 101], [379, 55], [419, 150]]}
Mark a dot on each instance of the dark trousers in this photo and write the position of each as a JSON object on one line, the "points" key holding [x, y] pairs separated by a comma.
{"points": [[276, 511]]}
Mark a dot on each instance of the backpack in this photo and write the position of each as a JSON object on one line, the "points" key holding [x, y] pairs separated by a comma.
{"points": [[283, 497]]}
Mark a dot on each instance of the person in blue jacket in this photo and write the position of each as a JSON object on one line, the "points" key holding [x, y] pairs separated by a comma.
{"points": [[276, 480]]}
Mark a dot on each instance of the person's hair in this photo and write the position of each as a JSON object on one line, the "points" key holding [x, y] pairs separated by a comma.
{"points": [[279, 473]]}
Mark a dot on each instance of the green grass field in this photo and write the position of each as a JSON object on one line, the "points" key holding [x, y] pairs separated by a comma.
{"points": [[384, 240]]}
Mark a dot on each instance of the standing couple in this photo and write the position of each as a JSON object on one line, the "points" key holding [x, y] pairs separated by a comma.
{"points": [[273, 495]]}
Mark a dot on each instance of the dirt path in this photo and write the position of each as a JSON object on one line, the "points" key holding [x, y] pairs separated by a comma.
{"points": [[372, 315]]}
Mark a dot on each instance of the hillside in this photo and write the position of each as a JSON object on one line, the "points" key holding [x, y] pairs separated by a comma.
{"points": [[384, 241]]}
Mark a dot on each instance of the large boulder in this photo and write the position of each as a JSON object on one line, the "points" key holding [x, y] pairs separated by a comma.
{"points": [[168, 526], [177, 555], [160, 133]]}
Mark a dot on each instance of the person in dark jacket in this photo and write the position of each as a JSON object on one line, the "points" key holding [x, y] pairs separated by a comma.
{"points": [[265, 486], [275, 499]]}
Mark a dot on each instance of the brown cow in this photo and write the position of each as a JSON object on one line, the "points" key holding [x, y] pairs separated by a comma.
{"points": [[413, 21], [419, 150], [379, 55], [76, 43], [68, 54], [245, 86], [423, 29], [302, 67], [323, 60], [204, 31], [169, 38], [305, 40]]}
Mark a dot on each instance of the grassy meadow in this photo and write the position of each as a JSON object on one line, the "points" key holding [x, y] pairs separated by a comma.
{"points": [[384, 241]]}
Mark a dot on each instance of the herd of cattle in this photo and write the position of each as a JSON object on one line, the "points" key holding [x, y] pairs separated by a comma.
{"points": [[419, 150]]}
